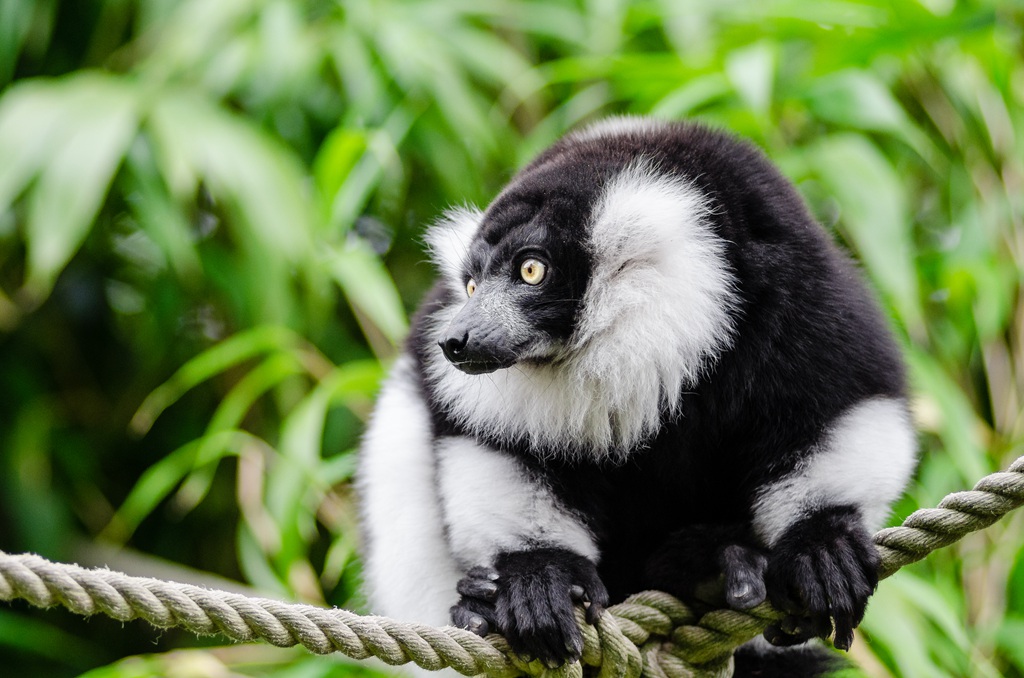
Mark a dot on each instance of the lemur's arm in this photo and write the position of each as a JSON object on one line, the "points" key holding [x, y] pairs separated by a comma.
{"points": [[817, 521], [528, 558]]}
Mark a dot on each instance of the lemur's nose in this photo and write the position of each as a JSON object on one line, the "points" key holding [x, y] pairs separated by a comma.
{"points": [[454, 347]]}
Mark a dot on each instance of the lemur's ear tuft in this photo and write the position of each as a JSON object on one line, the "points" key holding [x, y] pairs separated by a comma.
{"points": [[448, 242]]}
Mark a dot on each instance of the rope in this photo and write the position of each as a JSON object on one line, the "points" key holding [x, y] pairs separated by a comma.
{"points": [[650, 633]]}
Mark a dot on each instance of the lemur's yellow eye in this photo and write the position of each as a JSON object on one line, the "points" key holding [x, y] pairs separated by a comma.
{"points": [[471, 287], [533, 271]]}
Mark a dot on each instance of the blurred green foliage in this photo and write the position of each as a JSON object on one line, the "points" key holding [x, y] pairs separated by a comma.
{"points": [[209, 242]]}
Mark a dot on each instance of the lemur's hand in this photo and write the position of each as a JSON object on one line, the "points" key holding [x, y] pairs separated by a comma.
{"points": [[823, 569], [475, 609], [743, 570], [528, 597], [706, 565]]}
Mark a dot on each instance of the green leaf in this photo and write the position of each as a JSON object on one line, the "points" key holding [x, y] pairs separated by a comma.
{"points": [[302, 433], [237, 402], [228, 353], [70, 135], [893, 626], [856, 98], [752, 72], [31, 119], [544, 19], [1010, 638], [352, 195], [873, 212], [255, 565], [23, 634], [160, 479], [100, 122], [958, 424], [296, 481], [338, 469], [695, 93], [339, 153], [228, 416], [369, 289], [256, 178], [159, 216], [154, 485], [16, 17]]}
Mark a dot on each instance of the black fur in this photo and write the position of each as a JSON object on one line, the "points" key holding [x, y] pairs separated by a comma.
{"points": [[528, 596], [811, 344], [712, 565], [823, 569], [795, 662]]}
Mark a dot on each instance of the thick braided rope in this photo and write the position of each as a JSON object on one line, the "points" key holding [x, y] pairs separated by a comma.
{"points": [[650, 632]]}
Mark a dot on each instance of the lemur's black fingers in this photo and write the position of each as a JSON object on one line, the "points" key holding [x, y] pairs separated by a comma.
{"points": [[840, 603], [572, 637], [484, 589], [793, 584], [474, 614], [469, 620], [793, 630], [592, 609], [588, 588], [744, 570], [483, 572], [857, 566], [823, 570], [775, 635], [535, 604], [593, 612], [536, 617]]}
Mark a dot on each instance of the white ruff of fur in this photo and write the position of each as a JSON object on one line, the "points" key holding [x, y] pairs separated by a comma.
{"points": [[656, 314]]}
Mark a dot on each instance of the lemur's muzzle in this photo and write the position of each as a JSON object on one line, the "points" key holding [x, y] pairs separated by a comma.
{"points": [[474, 343]]}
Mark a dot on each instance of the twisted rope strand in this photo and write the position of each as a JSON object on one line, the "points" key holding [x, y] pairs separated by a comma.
{"points": [[715, 635], [650, 633], [958, 514]]}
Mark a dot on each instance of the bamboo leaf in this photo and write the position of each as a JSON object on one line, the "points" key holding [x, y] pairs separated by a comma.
{"points": [[752, 72], [339, 153], [873, 211], [160, 217], [858, 99], [23, 634], [257, 179], [369, 288], [958, 425], [16, 17], [694, 94], [152, 487], [32, 127], [228, 353], [74, 183], [228, 416]]}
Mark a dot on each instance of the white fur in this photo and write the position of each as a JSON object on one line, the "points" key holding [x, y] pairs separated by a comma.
{"points": [[623, 125], [865, 460], [448, 241], [409, 572], [656, 313], [492, 505]]}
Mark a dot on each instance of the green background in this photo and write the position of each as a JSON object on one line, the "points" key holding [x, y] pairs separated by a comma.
{"points": [[210, 240]]}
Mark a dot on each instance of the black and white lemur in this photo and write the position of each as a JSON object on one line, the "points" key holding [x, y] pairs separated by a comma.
{"points": [[644, 366]]}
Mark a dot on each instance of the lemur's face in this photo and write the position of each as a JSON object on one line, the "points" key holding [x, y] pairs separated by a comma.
{"points": [[524, 277], [599, 276]]}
